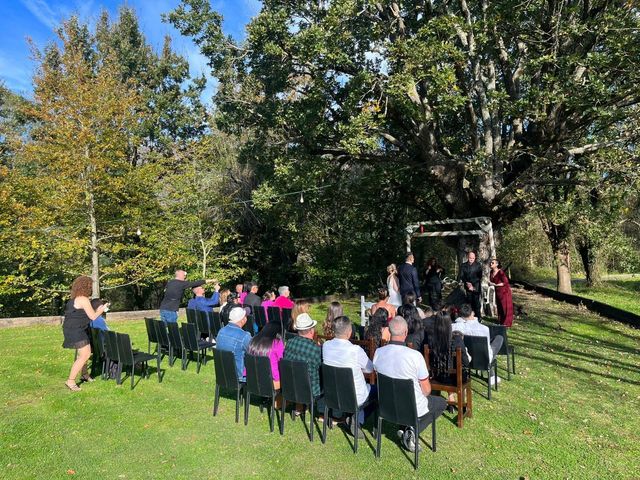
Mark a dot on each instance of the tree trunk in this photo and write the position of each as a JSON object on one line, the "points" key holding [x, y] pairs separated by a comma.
{"points": [[95, 254], [558, 235], [588, 255]]}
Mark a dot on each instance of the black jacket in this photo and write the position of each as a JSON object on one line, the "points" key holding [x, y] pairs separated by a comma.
{"points": [[408, 277], [472, 273]]}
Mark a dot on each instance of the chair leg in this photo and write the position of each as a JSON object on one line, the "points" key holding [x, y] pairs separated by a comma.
{"points": [[272, 412], [513, 360], [508, 366], [356, 430], [325, 416], [197, 361], [469, 399], [133, 371], [247, 399], [416, 450], [119, 374], [433, 435], [489, 384], [311, 421], [238, 405], [378, 437], [159, 361], [460, 395], [283, 407], [216, 400]]}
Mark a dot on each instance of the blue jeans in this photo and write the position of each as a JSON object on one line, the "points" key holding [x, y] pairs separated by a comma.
{"points": [[169, 316], [369, 406]]}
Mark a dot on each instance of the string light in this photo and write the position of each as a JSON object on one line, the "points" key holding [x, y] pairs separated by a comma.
{"points": [[301, 197]]}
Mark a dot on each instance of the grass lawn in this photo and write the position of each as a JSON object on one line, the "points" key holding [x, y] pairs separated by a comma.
{"points": [[570, 412]]}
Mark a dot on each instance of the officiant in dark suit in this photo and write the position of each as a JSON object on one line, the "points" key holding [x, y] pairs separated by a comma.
{"points": [[471, 277]]}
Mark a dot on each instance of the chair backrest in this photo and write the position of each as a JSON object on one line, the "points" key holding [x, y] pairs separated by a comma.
{"points": [[456, 365], [260, 316], [273, 313], [500, 330], [216, 324], [295, 382], [339, 388], [97, 342], [249, 325], [479, 351], [161, 333], [289, 335], [125, 349], [397, 400], [285, 315], [174, 335], [192, 315], [152, 335], [202, 321], [259, 376], [225, 368], [111, 345], [189, 334]]}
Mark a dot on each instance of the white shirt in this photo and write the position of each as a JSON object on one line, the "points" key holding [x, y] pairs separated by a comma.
{"points": [[342, 353], [398, 361], [474, 328]]}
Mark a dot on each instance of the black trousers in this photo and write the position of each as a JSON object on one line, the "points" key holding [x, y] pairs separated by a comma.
{"points": [[473, 299], [437, 406], [435, 295]]}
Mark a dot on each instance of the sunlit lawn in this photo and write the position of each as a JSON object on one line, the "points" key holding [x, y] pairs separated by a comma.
{"points": [[570, 412]]}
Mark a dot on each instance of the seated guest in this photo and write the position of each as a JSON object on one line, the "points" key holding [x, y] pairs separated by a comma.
{"points": [[468, 324], [428, 323], [268, 300], [334, 311], [442, 346], [232, 338], [377, 328], [383, 301], [283, 300], [340, 352], [224, 295], [202, 303], [416, 331], [301, 306], [268, 343], [302, 347], [252, 300], [409, 302], [397, 361], [233, 300]]}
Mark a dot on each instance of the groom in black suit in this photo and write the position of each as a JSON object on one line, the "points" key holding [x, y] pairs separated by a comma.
{"points": [[408, 278]]}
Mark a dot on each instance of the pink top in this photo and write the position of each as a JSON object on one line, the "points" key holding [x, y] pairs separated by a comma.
{"points": [[242, 297], [283, 302], [275, 355], [267, 303]]}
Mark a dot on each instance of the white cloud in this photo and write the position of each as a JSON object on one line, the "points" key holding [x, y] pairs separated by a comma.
{"points": [[43, 12], [17, 76]]}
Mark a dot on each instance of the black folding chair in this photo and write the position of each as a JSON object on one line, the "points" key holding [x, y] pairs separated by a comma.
{"points": [[216, 324], [273, 314], [226, 377], [286, 318], [259, 383], [175, 340], [479, 351], [193, 344], [340, 394], [152, 336], [295, 386], [131, 357], [192, 315], [260, 317], [164, 345], [202, 321], [506, 349], [397, 404], [249, 325], [112, 353], [98, 360]]}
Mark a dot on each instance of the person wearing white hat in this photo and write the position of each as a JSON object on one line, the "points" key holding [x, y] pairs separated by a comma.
{"points": [[303, 348], [232, 338]]}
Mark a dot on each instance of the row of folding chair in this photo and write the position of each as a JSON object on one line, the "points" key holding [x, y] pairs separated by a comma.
{"points": [[396, 399], [113, 348]]}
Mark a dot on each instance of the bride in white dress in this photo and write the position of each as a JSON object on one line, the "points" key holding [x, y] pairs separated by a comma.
{"points": [[393, 286]]}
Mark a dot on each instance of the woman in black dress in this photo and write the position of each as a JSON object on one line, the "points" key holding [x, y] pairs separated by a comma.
{"points": [[77, 315], [433, 282]]}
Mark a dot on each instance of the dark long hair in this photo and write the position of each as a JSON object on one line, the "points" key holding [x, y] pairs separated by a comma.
{"points": [[441, 344], [414, 322], [378, 321], [334, 311], [262, 343]]}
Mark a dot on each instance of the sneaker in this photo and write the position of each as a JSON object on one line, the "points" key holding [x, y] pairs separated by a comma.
{"points": [[409, 440], [492, 381]]}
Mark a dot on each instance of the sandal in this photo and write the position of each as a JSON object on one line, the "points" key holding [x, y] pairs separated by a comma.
{"points": [[73, 387]]}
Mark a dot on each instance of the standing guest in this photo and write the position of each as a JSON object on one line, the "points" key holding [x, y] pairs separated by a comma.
{"points": [[397, 361], [252, 299], [283, 300], [340, 352], [471, 277], [173, 294], [378, 329], [468, 324], [77, 315], [383, 302], [334, 311], [408, 277], [202, 303], [268, 300], [232, 338], [499, 280], [433, 281], [442, 347], [393, 286], [302, 347], [268, 343]]}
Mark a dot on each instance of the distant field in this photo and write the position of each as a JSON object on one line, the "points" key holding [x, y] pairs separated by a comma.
{"points": [[570, 412]]}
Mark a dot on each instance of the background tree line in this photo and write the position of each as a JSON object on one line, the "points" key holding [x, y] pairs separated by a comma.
{"points": [[334, 124]]}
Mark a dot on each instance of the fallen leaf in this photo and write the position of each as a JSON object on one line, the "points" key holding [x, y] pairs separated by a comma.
{"points": [[71, 472]]}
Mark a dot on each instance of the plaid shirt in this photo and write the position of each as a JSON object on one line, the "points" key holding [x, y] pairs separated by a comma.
{"points": [[306, 350]]}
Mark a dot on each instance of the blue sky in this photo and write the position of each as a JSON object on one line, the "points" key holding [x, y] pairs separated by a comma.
{"points": [[37, 20]]}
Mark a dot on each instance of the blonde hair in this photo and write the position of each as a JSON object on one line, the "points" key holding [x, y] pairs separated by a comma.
{"points": [[391, 269], [301, 306]]}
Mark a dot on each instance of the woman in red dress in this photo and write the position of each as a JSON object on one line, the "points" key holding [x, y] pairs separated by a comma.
{"points": [[499, 280]]}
